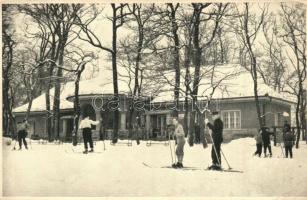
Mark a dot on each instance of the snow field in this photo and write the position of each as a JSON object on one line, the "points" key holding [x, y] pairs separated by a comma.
{"points": [[54, 170]]}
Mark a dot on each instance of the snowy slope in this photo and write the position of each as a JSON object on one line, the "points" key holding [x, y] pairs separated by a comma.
{"points": [[47, 170]]}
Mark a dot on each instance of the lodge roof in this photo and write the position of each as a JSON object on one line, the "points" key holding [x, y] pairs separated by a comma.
{"points": [[234, 82]]}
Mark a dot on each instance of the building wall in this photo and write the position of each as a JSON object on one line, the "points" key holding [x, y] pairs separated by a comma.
{"points": [[249, 121], [275, 114]]}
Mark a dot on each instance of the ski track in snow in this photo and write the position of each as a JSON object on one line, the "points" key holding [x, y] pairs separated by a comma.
{"points": [[47, 170]]}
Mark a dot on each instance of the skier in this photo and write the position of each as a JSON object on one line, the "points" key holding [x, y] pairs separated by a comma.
{"points": [[288, 138], [180, 138], [85, 125], [265, 133], [22, 132], [217, 136], [258, 139]]}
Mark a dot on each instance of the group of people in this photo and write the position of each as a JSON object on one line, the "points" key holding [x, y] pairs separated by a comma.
{"points": [[263, 139], [217, 138]]}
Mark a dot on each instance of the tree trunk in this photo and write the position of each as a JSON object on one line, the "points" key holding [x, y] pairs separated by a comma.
{"points": [[176, 57], [297, 118], [197, 62], [57, 96], [77, 109], [253, 65], [6, 83], [187, 85], [137, 88], [115, 82]]}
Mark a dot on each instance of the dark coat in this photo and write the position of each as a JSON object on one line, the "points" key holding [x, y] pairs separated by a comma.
{"points": [[266, 135], [217, 130], [288, 138]]}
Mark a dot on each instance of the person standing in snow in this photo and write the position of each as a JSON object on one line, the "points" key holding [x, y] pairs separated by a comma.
{"points": [[258, 139], [217, 137], [85, 125], [179, 133], [265, 133], [288, 138], [22, 132]]}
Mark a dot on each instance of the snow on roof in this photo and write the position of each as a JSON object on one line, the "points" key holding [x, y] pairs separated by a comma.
{"points": [[100, 85], [234, 80]]}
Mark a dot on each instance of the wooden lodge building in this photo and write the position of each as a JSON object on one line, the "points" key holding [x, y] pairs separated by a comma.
{"points": [[233, 98]]}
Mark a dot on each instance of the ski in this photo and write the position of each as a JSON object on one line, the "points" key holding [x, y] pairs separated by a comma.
{"points": [[224, 170], [81, 152], [170, 167]]}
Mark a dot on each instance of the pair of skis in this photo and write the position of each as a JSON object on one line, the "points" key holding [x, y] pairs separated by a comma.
{"points": [[192, 168], [81, 152]]}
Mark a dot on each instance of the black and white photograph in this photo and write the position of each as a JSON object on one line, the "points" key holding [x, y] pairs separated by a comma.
{"points": [[154, 99]]}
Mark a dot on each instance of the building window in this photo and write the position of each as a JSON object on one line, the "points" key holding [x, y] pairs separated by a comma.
{"points": [[231, 119]]}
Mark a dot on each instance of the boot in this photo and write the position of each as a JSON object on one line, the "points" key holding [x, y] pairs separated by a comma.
{"points": [[174, 165], [91, 151], [179, 165], [86, 151]]}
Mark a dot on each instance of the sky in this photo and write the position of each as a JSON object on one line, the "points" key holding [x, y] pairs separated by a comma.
{"points": [[103, 29]]}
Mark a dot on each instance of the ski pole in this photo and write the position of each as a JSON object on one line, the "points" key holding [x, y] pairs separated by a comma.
{"points": [[14, 145], [104, 146], [214, 148], [174, 149], [170, 146], [282, 150], [225, 159], [30, 142]]}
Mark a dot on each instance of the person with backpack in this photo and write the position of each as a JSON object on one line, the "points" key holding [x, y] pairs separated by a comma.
{"points": [[258, 139], [265, 133], [180, 138], [22, 132], [86, 126], [288, 139]]}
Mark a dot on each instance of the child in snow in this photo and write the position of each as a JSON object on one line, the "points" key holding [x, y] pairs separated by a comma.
{"points": [[179, 133], [265, 133], [22, 132], [288, 138], [258, 139], [85, 125]]}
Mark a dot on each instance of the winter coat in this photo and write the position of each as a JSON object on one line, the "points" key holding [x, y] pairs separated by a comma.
{"points": [[217, 130], [23, 127], [179, 133], [86, 123], [266, 135], [258, 138], [288, 138]]}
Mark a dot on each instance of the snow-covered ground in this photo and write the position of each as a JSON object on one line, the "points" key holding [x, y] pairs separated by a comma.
{"points": [[53, 170]]}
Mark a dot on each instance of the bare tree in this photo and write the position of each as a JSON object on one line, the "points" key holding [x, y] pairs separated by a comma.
{"points": [[78, 59], [7, 60], [119, 14], [274, 62], [294, 35], [247, 30], [216, 16], [58, 20], [131, 54]]}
